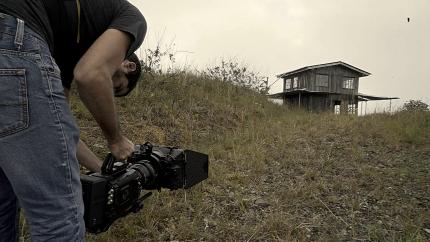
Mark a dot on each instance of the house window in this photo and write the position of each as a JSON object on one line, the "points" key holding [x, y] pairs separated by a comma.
{"points": [[295, 82], [322, 80], [348, 83], [287, 84]]}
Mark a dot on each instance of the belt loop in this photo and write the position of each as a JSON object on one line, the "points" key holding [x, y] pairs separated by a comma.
{"points": [[19, 35]]}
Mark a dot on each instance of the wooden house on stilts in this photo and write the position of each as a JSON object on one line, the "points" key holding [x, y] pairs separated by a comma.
{"points": [[325, 87]]}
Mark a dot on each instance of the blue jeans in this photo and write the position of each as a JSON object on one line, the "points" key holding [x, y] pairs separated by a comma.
{"points": [[38, 138]]}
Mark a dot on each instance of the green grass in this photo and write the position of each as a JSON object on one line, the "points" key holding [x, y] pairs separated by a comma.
{"points": [[276, 174]]}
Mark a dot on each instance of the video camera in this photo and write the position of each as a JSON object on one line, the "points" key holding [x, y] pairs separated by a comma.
{"points": [[118, 189]]}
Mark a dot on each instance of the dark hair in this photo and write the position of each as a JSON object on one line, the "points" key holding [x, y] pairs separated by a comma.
{"points": [[134, 76]]}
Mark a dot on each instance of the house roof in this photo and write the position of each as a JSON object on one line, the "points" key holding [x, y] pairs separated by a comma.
{"points": [[281, 95], [361, 72], [365, 97], [360, 96]]}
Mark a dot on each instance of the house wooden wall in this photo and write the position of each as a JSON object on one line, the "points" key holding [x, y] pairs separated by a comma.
{"points": [[336, 75]]}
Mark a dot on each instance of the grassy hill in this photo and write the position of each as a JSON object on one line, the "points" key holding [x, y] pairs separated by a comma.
{"points": [[276, 174]]}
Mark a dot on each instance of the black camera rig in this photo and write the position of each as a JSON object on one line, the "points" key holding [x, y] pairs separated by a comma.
{"points": [[119, 188]]}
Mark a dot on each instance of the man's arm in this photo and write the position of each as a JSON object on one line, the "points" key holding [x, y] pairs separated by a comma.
{"points": [[84, 155], [87, 158], [93, 76]]}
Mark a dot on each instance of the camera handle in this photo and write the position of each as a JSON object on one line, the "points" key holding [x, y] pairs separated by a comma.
{"points": [[108, 165]]}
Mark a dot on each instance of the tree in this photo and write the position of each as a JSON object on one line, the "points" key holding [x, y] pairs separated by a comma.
{"points": [[415, 106]]}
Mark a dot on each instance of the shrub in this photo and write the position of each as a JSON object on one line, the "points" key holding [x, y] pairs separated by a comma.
{"points": [[415, 106], [232, 72]]}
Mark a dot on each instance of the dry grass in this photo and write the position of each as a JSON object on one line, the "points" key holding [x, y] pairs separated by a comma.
{"points": [[275, 174]]}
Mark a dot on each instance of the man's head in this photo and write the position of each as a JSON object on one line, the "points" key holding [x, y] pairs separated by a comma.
{"points": [[127, 75]]}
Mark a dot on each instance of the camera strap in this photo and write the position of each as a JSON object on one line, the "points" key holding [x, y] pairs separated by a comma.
{"points": [[78, 7]]}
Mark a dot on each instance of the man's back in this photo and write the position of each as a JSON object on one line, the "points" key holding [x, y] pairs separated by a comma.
{"points": [[70, 27], [32, 12]]}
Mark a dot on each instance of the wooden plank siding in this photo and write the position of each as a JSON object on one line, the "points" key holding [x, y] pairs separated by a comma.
{"points": [[336, 75]]}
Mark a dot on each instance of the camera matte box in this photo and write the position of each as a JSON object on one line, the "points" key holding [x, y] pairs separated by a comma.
{"points": [[196, 168]]}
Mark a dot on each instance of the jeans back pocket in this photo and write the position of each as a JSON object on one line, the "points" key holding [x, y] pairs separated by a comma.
{"points": [[14, 115]]}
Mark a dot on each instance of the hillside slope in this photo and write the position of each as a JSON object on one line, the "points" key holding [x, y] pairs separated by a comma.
{"points": [[275, 174]]}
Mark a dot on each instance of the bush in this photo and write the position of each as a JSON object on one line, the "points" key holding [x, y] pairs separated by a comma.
{"points": [[232, 72], [415, 106], [161, 60]]}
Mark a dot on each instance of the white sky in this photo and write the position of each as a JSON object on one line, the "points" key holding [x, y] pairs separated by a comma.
{"points": [[276, 36]]}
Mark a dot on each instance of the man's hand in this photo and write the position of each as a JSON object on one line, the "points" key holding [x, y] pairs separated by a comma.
{"points": [[121, 148]]}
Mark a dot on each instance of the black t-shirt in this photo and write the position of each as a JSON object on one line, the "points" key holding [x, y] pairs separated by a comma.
{"points": [[32, 12], [70, 32]]}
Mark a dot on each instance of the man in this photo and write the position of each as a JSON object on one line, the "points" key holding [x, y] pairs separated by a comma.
{"points": [[124, 80], [39, 139]]}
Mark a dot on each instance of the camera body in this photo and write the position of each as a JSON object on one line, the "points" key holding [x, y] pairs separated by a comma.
{"points": [[119, 188]]}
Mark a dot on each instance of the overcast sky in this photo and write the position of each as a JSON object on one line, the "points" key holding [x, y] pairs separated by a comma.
{"points": [[276, 36]]}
